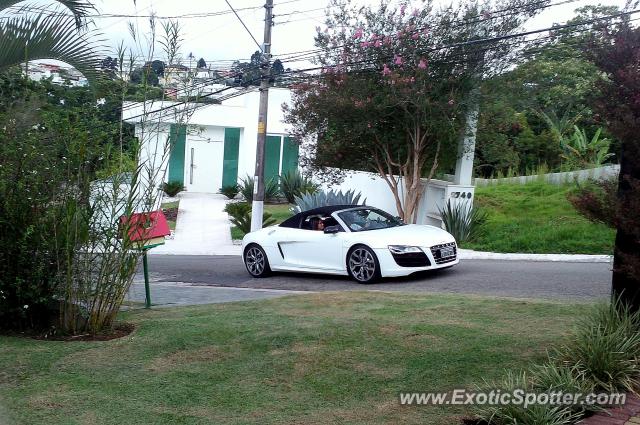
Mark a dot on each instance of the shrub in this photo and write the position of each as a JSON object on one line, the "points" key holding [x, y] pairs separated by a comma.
{"points": [[293, 184], [508, 414], [606, 348], [462, 220], [230, 191], [172, 188], [321, 198], [597, 201], [271, 190], [240, 213]]}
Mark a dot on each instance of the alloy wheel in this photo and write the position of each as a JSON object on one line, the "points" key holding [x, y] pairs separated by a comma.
{"points": [[362, 265], [255, 261]]}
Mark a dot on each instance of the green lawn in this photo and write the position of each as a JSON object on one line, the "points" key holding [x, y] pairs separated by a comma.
{"points": [[313, 359], [279, 212], [537, 217]]}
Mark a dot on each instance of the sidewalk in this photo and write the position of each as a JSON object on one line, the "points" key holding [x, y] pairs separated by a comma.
{"points": [[202, 228]]}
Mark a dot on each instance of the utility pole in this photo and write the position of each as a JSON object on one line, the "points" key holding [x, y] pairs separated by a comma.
{"points": [[257, 208]]}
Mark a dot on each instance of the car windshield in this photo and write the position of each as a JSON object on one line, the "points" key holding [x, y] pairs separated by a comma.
{"points": [[368, 219]]}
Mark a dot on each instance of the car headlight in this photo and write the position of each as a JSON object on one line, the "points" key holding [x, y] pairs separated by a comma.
{"points": [[404, 249]]}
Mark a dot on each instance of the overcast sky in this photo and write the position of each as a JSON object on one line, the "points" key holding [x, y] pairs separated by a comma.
{"points": [[223, 37]]}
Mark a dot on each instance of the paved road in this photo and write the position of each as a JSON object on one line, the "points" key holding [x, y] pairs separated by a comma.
{"points": [[518, 279]]}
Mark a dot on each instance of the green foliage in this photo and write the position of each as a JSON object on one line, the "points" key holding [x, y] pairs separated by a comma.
{"points": [[172, 188], [580, 152], [44, 36], [271, 190], [601, 356], [230, 191], [240, 213], [508, 414], [293, 184], [321, 198], [606, 349], [597, 201], [462, 220]]}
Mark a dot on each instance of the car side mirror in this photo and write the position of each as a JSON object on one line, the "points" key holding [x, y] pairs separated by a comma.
{"points": [[330, 230]]}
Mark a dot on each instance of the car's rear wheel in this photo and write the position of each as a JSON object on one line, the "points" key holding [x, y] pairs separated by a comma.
{"points": [[363, 265], [256, 261]]}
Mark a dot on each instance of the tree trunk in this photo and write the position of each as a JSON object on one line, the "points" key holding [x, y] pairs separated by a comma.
{"points": [[626, 279]]}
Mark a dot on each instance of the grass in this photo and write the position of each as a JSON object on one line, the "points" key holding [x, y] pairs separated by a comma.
{"points": [[538, 218], [280, 212], [312, 359]]}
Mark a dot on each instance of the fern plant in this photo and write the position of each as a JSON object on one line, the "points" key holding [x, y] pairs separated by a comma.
{"points": [[172, 188], [271, 190], [295, 184], [230, 191], [240, 216], [309, 201], [462, 220]]}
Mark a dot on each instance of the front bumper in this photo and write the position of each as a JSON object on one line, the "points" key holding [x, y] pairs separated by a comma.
{"points": [[390, 268]]}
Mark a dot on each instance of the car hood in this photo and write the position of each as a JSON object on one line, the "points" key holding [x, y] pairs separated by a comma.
{"points": [[410, 234]]}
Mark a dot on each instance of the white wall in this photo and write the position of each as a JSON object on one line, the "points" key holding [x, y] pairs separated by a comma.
{"points": [[207, 122], [378, 194]]}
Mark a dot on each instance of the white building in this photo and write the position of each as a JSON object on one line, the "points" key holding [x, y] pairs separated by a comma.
{"points": [[62, 75], [218, 146]]}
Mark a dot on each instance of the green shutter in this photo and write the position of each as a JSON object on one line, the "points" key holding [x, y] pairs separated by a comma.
{"points": [[290, 152], [177, 140], [272, 157], [231, 150]]}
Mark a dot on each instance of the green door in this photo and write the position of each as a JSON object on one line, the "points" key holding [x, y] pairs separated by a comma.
{"points": [[230, 163], [290, 150], [272, 158], [177, 140]]}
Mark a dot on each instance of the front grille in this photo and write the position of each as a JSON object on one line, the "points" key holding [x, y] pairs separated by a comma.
{"points": [[412, 259], [437, 254]]}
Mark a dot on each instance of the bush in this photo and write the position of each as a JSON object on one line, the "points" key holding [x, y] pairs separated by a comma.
{"points": [[321, 198], [271, 190], [293, 184], [462, 220], [597, 200], [230, 191], [509, 414], [240, 213], [606, 349], [172, 188]]}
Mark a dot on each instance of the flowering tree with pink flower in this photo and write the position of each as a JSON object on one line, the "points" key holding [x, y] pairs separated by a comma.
{"points": [[392, 91]]}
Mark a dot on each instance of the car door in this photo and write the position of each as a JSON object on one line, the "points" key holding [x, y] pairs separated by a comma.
{"points": [[311, 249]]}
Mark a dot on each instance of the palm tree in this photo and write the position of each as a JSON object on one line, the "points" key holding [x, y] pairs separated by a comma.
{"points": [[33, 33]]}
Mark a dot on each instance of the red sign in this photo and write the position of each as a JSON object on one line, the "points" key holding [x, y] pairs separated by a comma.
{"points": [[146, 226]]}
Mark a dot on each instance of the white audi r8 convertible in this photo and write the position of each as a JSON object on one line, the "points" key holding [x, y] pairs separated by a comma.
{"points": [[362, 242]]}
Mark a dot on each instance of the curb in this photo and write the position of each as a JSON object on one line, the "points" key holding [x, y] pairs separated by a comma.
{"points": [[468, 254]]}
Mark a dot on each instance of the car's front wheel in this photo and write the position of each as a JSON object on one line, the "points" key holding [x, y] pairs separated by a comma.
{"points": [[256, 261], [363, 264]]}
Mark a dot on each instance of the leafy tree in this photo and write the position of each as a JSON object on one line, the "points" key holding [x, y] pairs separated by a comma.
{"points": [[43, 36], [617, 55], [390, 98], [202, 64]]}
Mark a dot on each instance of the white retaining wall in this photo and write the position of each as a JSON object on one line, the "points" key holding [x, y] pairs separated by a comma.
{"points": [[605, 172]]}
